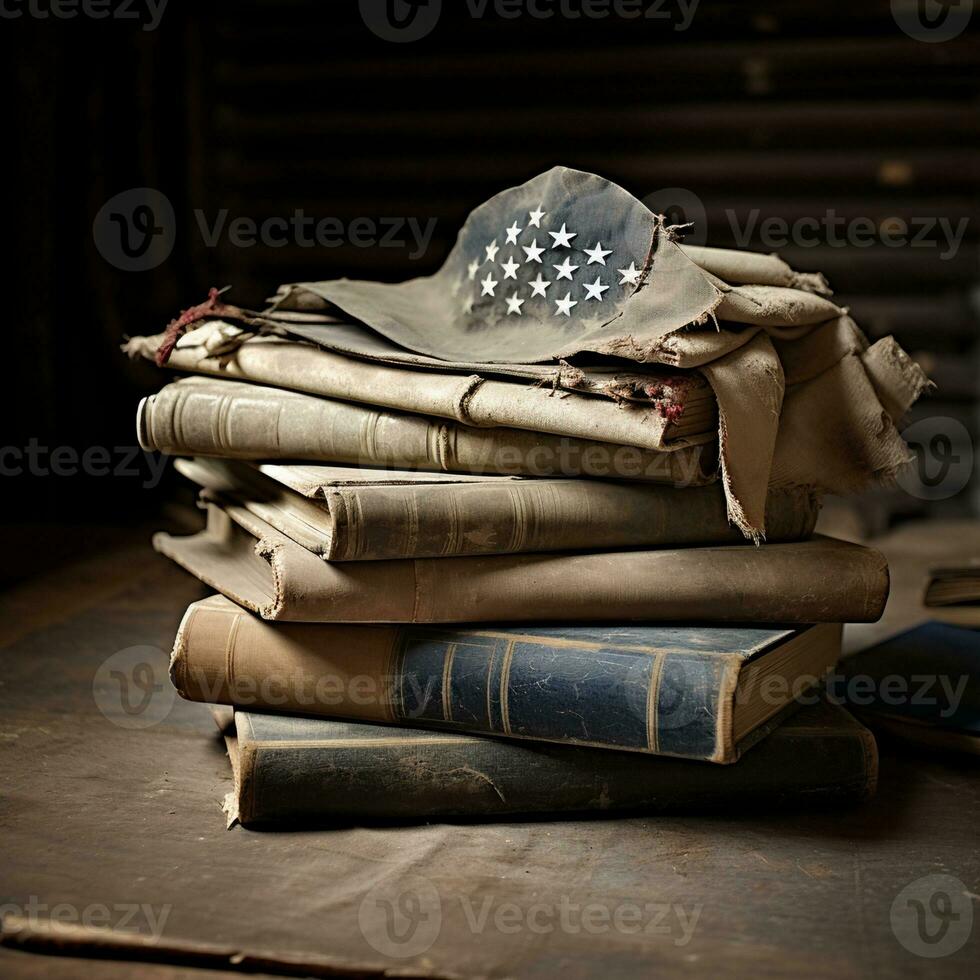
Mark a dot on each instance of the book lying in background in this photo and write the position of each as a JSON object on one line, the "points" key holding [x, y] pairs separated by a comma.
{"points": [[923, 685], [953, 593], [699, 693], [354, 514], [291, 769], [817, 581], [201, 416]]}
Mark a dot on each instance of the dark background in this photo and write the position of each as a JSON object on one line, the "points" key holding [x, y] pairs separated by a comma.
{"points": [[264, 108]]}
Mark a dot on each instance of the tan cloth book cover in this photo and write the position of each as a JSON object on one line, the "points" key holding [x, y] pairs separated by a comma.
{"points": [[821, 580], [210, 417], [350, 514]]}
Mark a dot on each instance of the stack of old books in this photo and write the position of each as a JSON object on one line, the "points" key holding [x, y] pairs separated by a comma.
{"points": [[600, 451]]}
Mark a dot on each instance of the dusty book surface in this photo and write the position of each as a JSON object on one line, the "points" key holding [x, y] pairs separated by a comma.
{"points": [[289, 769], [351, 514], [695, 692]]}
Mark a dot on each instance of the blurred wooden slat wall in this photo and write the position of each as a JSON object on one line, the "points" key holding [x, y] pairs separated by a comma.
{"points": [[788, 108], [263, 108]]}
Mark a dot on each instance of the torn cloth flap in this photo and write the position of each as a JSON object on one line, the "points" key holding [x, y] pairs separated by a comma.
{"points": [[567, 262]]}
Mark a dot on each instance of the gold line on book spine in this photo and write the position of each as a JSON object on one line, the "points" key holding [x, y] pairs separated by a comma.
{"points": [[504, 683], [447, 682], [653, 698]]}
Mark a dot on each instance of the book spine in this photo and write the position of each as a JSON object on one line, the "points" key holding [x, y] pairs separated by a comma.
{"points": [[420, 778], [523, 686], [536, 516], [207, 417]]}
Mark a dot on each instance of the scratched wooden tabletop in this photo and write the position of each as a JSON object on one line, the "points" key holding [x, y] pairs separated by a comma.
{"points": [[111, 816]]}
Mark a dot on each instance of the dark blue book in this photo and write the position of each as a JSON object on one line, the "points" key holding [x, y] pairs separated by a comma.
{"points": [[922, 685], [694, 692], [289, 768]]}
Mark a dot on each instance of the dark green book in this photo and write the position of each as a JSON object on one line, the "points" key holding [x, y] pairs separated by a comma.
{"points": [[294, 769]]}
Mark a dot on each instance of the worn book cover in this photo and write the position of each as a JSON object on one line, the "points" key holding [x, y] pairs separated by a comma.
{"points": [[815, 581], [356, 514], [656, 408], [696, 692], [210, 417], [953, 593], [922, 685], [291, 769]]}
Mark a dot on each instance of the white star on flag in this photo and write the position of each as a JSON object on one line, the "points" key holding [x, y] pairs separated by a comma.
{"points": [[514, 304], [598, 254], [510, 268], [565, 305], [594, 290], [533, 252], [630, 275], [563, 238], [566, 269], [538, 286], [506, 264]]}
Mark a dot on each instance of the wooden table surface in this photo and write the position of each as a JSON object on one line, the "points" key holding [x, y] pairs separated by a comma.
{"points": [[96, 813]]}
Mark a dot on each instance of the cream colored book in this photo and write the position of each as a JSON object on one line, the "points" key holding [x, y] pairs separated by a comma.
{"points": [[202, 416], [655, 407], [249, 561], [353, 514]]}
